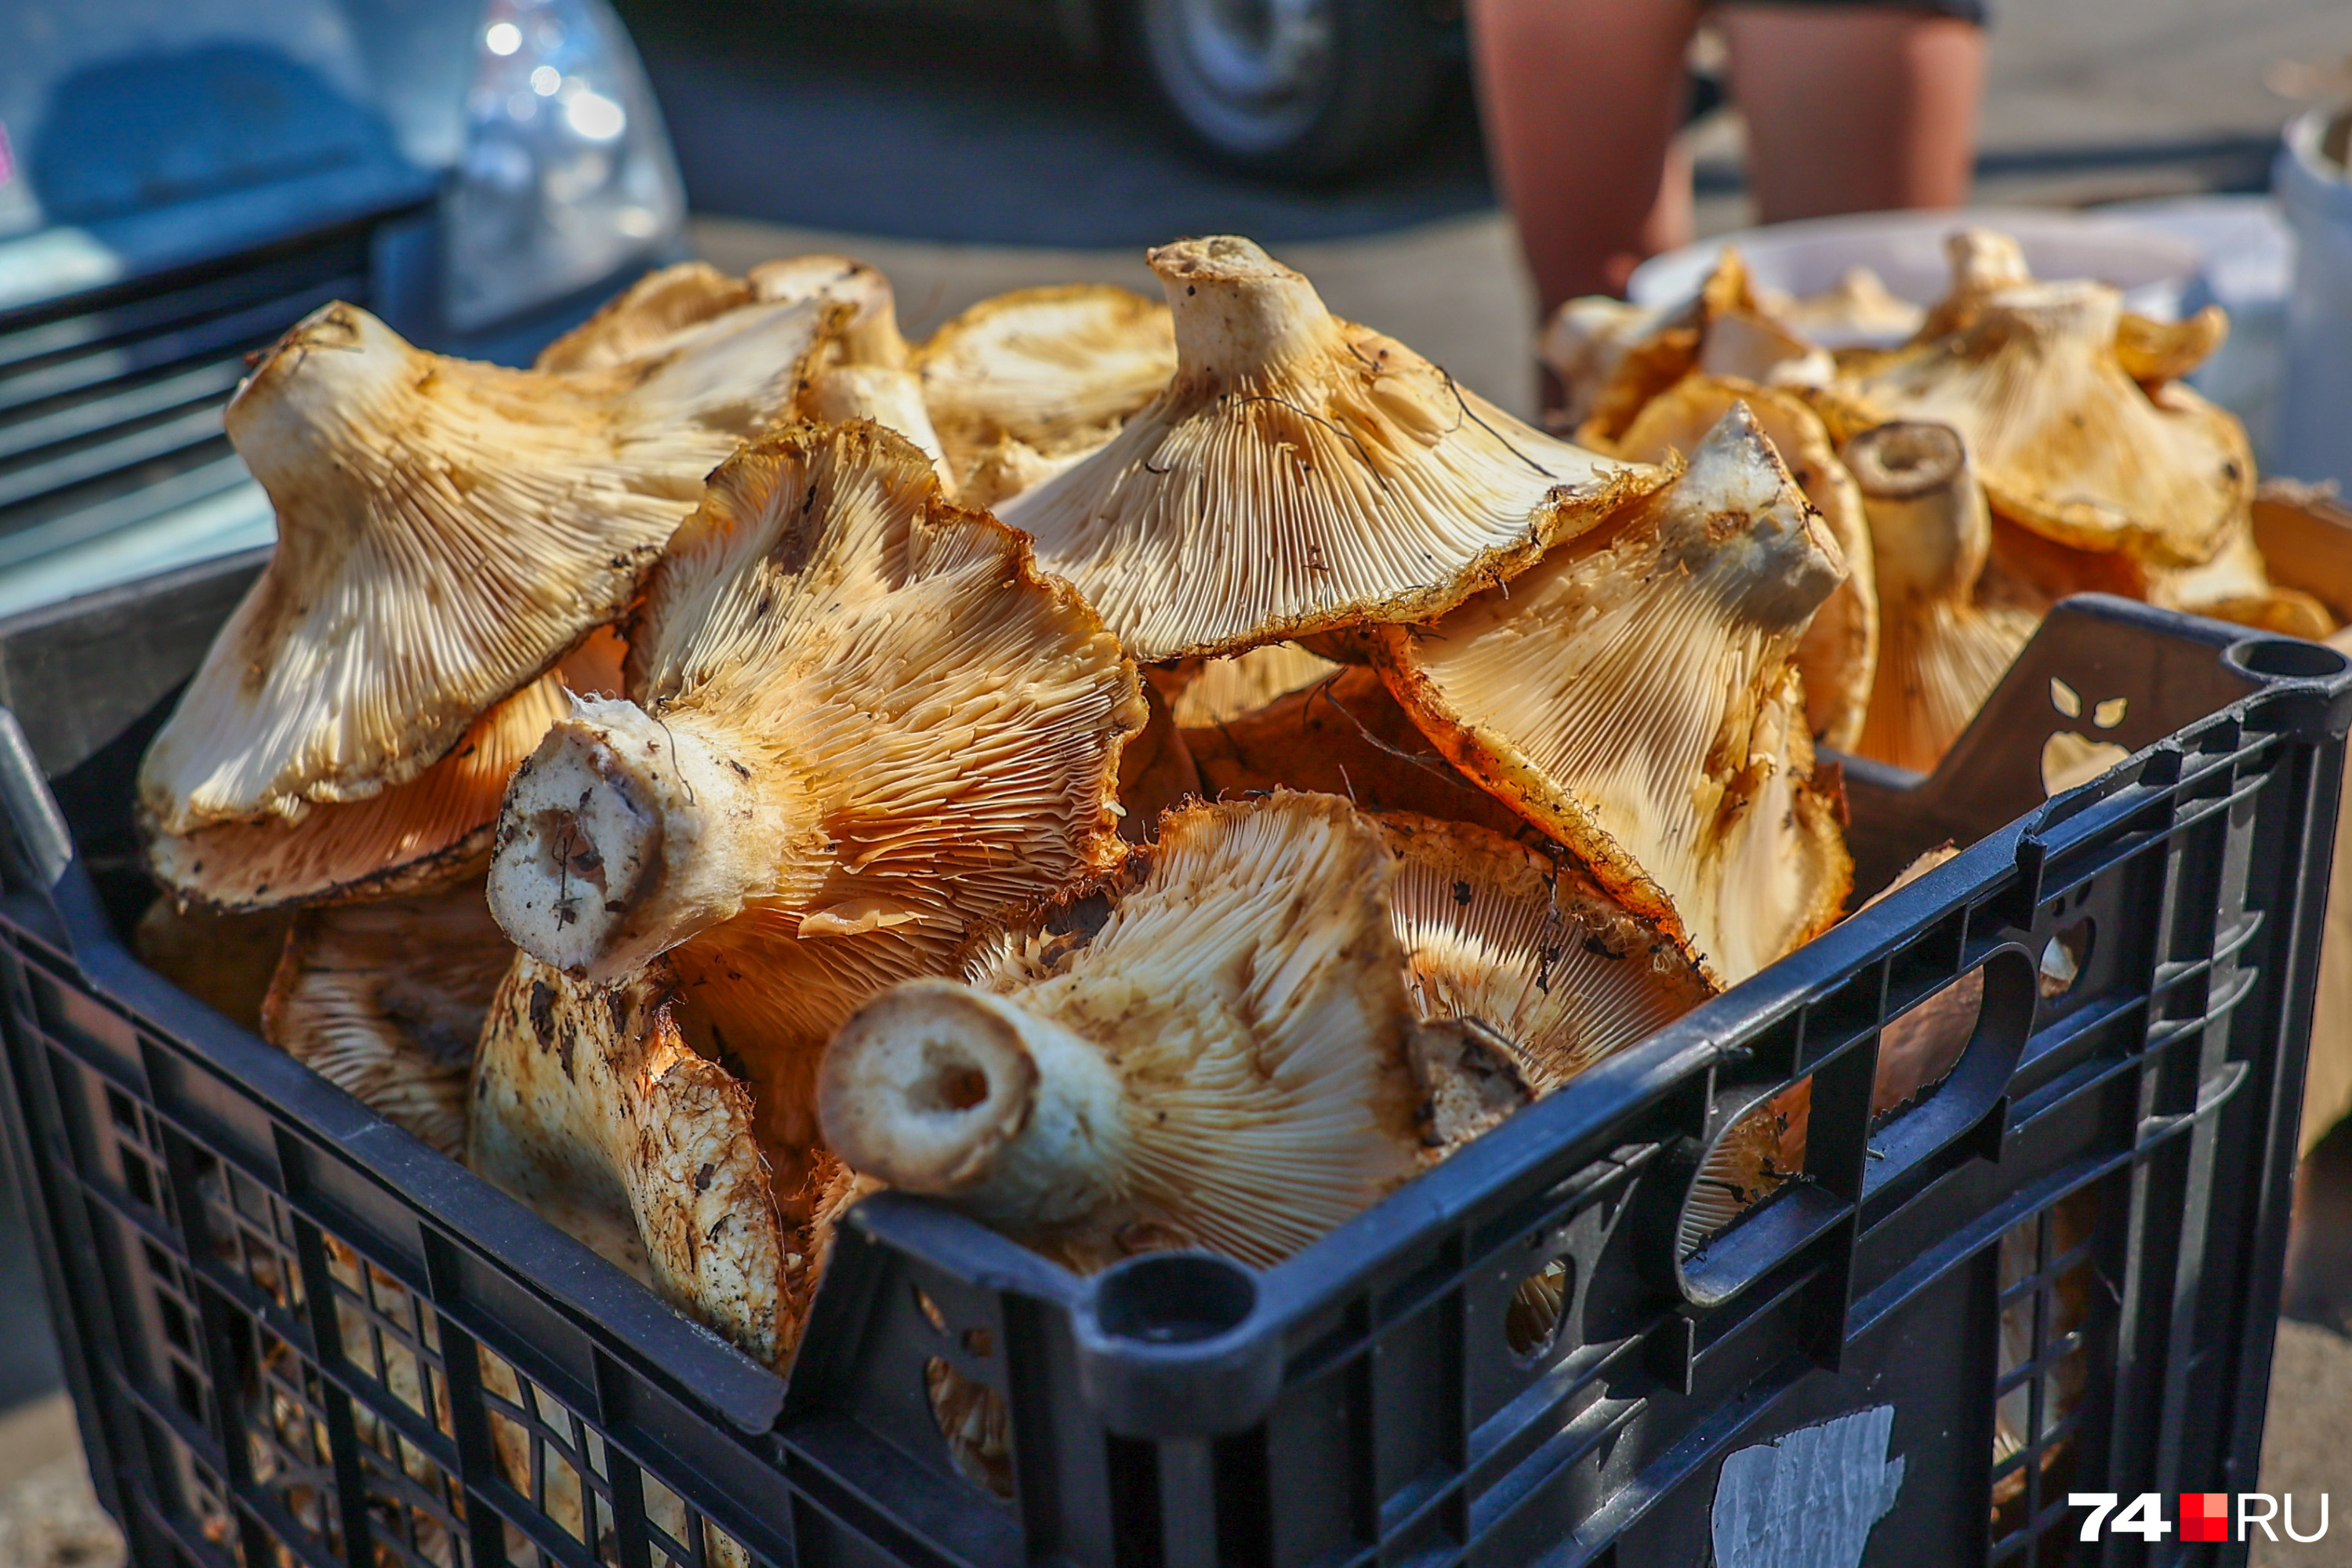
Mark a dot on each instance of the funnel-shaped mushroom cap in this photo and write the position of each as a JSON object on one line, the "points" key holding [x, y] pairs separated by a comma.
{"points": [[863, 719], [1858, 308], [647, 317], [1584, 343], [589, 1106], [869, 334], [432, 832], [1219, 1061], [446, 531], [1053, 372], [1839, 655], [1301, 474], [1941, 651], [1494, 931], [385, 1000], [1724, 330], [1220, 690], [1636, 697], [664, 309], [892, 398], [2064, 440], [1344, 735]]}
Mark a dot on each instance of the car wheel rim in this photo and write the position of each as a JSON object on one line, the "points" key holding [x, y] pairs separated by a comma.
{"points": [[1257, 54]]}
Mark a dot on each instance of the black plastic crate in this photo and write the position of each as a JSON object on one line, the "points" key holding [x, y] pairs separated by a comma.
{"points": [[296, 1336]]}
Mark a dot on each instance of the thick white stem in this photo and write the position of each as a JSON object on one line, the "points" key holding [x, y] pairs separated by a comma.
{"points": [[1239, 313], [620, 837], [1929, 526], [938, 1087]]}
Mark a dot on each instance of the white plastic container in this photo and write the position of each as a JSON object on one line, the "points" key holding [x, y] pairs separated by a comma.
{"points": [[2315, 429]]}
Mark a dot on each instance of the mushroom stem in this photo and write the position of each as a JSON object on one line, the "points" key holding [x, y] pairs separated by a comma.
{"points": [[1927, 515], [1239, 313], [938, 1088], [624, 836]]}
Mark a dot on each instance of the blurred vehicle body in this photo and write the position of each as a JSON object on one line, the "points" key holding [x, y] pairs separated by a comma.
{"points": [[183, 179], [1309, 90]]}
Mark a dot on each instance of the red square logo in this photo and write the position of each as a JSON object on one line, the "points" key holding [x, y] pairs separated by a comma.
{"points": [[2204, 1516]]}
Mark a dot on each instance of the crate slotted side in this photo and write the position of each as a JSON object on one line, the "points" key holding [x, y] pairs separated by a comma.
{"points": [[296, 1336]]}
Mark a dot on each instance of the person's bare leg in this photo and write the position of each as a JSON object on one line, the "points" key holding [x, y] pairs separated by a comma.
{"points": [[1580, 99], [1855, 109]]}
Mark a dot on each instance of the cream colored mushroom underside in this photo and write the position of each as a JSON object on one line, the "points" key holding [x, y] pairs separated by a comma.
{"points": [[1620, 678], [1253, 997], [466, 540], [1937, 662], [2064, 440], [1509, 957], [1284, 507], [1049, 368]]}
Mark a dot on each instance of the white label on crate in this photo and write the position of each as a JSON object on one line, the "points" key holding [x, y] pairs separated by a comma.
{"points": [[1808, 1498]]}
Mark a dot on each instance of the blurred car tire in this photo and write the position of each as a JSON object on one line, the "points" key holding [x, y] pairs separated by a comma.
{"points": [[1305, 89]]}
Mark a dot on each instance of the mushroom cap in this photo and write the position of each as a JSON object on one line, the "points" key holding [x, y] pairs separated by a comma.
{"points": [[1942, 648], [430, 832], [890, 397], [1217, 1058], [2065, 441], [385, 1000], [588, 1106], [1635, 696], [446, 530], [1724, 329], [1838, 652], [1055, 371], [1219, 690], [1858, 308], [1498, 932], [665, 309], [862, 720], [1300, 474], [1344, 735], [647, 317], [1584, 343]]}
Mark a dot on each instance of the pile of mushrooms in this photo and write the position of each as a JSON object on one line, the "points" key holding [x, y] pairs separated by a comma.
{"points": [[2020, 440], [1146, 776]]}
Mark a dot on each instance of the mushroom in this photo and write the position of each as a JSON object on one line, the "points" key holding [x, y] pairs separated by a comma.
{"points": [[1636, 697], [589, 1106], [447, 531], [1025, 384], [1584, 343], [1530, 950], [1217, 1058], [1219, 690], [2065, 440], [432, 832], [891, 397], [1941, 649], [862, 721], [1300, 474], [1858, 308], [665, 307], [1838, 652], [1344, 735], [385, 1001], [1724, 330]]}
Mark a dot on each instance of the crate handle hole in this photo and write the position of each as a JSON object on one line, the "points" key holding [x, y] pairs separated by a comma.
{"points": [[974, 1423], [1173, 1298], [2289, 658], [1531, 1321], [2063, 956]]}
